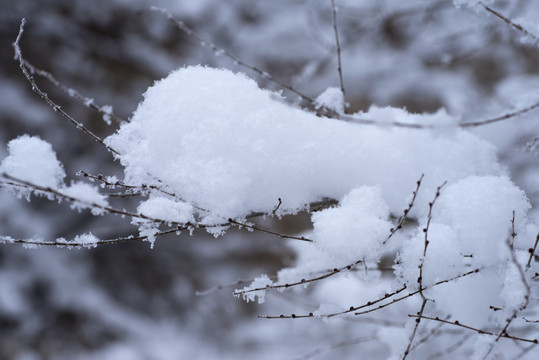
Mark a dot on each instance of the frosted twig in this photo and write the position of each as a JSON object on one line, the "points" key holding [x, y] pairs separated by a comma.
{"points": [[45, 97], [479, 331], [108, 209], [58, 194], [406, 211], [337, 46], [70, 244], [237, 61], [221, 287], [267, 231], [510, 22], [86, 101], [300, 282]]}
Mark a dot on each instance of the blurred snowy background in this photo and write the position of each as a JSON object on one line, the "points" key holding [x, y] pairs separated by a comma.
{"points": [[126, 301]]}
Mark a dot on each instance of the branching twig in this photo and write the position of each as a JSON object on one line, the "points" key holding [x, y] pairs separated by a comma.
{"points": [[420, 278], [406, 211], [370, 303], [510, 242], [479, 331], [45, 97]]}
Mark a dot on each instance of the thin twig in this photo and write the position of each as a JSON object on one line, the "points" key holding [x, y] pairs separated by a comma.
{"points": [[479, 331], [301, 282], [416, 326], [338, 46], [510, 22], [500, 118], [532, 252], [406, 211], [45, 97], [267, 231], [510, 241], [72, 244]]}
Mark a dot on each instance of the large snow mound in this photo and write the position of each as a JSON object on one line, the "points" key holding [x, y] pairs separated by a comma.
{"points": [[223, 144]]}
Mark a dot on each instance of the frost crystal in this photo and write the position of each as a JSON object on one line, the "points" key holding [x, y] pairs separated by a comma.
{"points": [[260, 282]]}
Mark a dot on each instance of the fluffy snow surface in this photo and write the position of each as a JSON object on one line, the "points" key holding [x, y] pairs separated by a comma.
{"points": [[33, 160], [223, 144]]}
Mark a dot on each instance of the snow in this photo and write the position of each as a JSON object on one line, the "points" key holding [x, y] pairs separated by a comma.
{"points": [[107, 112], [88, 239], [479, 210], [32, 159], [167, 210], [228, 147], [355, 229], [332, 98], [87, 197]]}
